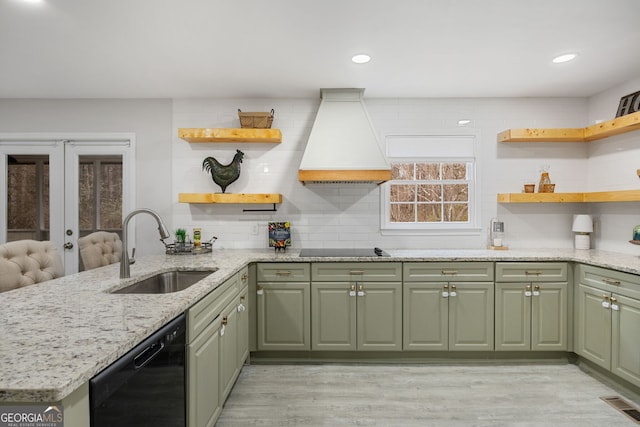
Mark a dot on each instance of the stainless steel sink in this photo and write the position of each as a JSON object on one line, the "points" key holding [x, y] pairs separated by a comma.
{"points": [[165, 283]]}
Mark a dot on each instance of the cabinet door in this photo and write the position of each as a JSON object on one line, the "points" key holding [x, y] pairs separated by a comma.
{"points": [[513, 317], [625, 361], [203, 358], [425, 317], [283, 316], [549, 317], [333, 323], [379, 310], [243, 327], [229, 368], [594, 326], [471, 316]]}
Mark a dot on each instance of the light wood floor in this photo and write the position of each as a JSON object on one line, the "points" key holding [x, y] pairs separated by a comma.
{"points": [[385, 395]]}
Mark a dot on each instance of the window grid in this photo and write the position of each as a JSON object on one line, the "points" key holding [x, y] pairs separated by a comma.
{"points": [[414, 199]]}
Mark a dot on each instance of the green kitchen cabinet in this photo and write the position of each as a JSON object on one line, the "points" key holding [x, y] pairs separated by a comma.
{"points": [[625, 354], [283, 297], [448, 306], [203, 377], [531, 306], [243, 326], [608, 320], [356, 306], [215, 329]]}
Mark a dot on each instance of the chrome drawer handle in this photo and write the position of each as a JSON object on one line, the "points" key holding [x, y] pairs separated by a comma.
{"points": [[283, 273], [532, 273], [356, 272], [611, 281], [449, 272]]}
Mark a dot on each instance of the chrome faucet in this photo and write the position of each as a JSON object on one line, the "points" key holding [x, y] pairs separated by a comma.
{"points": [[124, 260]]}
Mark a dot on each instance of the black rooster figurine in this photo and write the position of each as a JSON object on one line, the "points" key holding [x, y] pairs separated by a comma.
{"points": [[223, 175]]}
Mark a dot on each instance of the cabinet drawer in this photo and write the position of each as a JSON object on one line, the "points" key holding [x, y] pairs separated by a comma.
{"points": [[613, 281], [531, 271], [358, 271], [448, 272], [208, 308], [284, 272]]}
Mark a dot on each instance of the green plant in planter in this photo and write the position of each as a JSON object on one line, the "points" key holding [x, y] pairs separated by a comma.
{"points": [[181, 235]]}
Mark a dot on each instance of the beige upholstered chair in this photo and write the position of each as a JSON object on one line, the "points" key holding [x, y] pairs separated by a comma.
{"points": [[26, 262], [99, 249]]}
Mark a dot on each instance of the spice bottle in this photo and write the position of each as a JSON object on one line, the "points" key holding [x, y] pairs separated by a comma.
{"points": [[196, 236]]}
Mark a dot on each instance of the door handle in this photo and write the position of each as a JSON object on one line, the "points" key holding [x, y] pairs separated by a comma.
{"points": [[68, 245]]}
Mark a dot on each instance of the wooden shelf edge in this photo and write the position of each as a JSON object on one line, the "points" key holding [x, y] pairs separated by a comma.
{"points": [[262, 198], [590, 197], [617, 126], [195, 135], [542, 135], [540, 197]]}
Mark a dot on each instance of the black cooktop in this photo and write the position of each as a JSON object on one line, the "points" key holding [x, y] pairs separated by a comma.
{"points": [[343, 252]]}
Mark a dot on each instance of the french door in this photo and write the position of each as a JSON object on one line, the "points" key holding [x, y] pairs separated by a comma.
{"points": [[59, 187]]}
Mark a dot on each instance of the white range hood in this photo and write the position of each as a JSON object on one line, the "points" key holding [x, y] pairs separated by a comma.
{"points": [[343, 146]]}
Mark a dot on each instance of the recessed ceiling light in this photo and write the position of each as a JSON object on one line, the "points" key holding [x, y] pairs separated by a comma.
{"points": [[564, 58], [464, 122], [361, 58], [32, 1]]}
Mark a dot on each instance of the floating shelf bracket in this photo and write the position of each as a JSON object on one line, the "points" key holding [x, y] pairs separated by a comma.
{"points": [[261, 210]]}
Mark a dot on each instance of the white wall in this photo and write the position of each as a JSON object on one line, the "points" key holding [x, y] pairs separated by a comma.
{"points": [[348, 215], [612, 165], [150, 120]]}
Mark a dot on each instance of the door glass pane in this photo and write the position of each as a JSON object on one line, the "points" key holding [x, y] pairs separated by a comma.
{"points": [[111, 195], [28, 197], [100, 194]]}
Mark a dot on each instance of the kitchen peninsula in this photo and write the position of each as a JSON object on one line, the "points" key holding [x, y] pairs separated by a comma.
{"points": [[56, 335]]}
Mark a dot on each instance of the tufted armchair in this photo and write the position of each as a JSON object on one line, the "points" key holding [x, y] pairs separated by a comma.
{"points": [[26, 262], [99, 249]]}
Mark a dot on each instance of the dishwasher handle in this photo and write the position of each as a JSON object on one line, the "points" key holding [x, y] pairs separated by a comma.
{"points": [[148, 354]]}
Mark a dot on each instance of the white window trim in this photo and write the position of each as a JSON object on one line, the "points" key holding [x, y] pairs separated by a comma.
{"points": [[470, 228]]}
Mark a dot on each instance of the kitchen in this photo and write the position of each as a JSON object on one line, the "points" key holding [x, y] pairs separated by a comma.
{"points": [[349, 215]]}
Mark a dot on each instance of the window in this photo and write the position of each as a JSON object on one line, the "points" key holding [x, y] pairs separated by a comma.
{"points": [[433, 185]]}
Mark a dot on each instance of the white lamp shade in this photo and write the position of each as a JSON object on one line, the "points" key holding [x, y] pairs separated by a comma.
{"points": [[582, 224]]}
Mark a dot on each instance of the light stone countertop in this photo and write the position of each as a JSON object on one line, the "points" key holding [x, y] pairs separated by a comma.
{"points": [[56, 335]]}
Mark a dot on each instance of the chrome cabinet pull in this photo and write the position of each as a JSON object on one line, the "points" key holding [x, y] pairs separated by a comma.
{"points": [[532, 273], [356, 271], [283, 273], [449, 272]]}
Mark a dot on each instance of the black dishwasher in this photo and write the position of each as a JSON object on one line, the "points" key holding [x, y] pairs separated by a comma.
{"points": [[146, 386]]}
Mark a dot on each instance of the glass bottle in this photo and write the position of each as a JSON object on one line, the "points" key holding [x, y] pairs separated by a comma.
{"points": [[544, 179]]}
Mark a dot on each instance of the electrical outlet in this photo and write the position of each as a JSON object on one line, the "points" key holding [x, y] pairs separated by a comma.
{"points": [[254, 229]]}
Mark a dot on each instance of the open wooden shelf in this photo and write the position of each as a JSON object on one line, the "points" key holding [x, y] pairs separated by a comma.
{"points": [[229, 198], [230, 135], [617, 126], [592, 197]]}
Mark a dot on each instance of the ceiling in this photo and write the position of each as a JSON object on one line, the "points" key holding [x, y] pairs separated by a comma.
{"points": [[292, 48]]}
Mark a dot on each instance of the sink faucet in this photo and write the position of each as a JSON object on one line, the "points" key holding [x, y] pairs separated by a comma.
{"points": [[124, 260]]}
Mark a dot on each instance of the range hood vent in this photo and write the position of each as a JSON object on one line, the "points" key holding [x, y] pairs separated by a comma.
{"points": [[343, 146]]}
